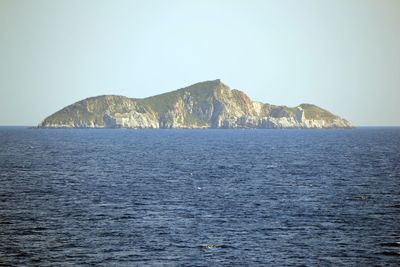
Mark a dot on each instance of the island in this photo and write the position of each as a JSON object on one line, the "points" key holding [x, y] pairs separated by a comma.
{"points": [[209, 104]]}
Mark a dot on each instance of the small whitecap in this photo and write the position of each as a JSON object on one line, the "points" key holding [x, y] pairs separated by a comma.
{"points": [[271, 166]]}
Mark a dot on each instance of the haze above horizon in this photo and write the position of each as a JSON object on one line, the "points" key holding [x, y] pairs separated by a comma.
{"points": [[340, 55]]}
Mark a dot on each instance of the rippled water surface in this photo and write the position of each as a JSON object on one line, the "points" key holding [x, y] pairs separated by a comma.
{"points": [[199, 197]]}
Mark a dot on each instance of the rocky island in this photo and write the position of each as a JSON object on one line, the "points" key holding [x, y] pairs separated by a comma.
{"points": [[209, 104]]}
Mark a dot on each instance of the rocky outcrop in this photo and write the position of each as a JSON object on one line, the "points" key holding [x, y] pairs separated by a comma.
{"points": [[210, 104]]}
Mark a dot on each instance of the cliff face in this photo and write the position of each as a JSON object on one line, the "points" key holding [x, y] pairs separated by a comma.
{"points": [[210, 104]]}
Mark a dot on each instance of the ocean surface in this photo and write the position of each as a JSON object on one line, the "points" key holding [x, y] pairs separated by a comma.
{"points": [[199, 197]]}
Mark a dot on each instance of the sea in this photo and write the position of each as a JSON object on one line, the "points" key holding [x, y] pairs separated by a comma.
{"points": [[216, 197]]}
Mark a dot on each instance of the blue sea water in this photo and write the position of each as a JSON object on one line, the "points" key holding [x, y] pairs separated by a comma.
{"points": [[199, 197]]}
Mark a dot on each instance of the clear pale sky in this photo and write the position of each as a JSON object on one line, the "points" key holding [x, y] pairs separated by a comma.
{"points": [[343, 55]]}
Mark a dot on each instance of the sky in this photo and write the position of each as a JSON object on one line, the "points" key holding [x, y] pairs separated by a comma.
{"points": [[342, 55]]}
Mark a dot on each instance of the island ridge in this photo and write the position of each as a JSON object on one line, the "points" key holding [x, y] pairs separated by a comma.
{"points": [[209, 104]]}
